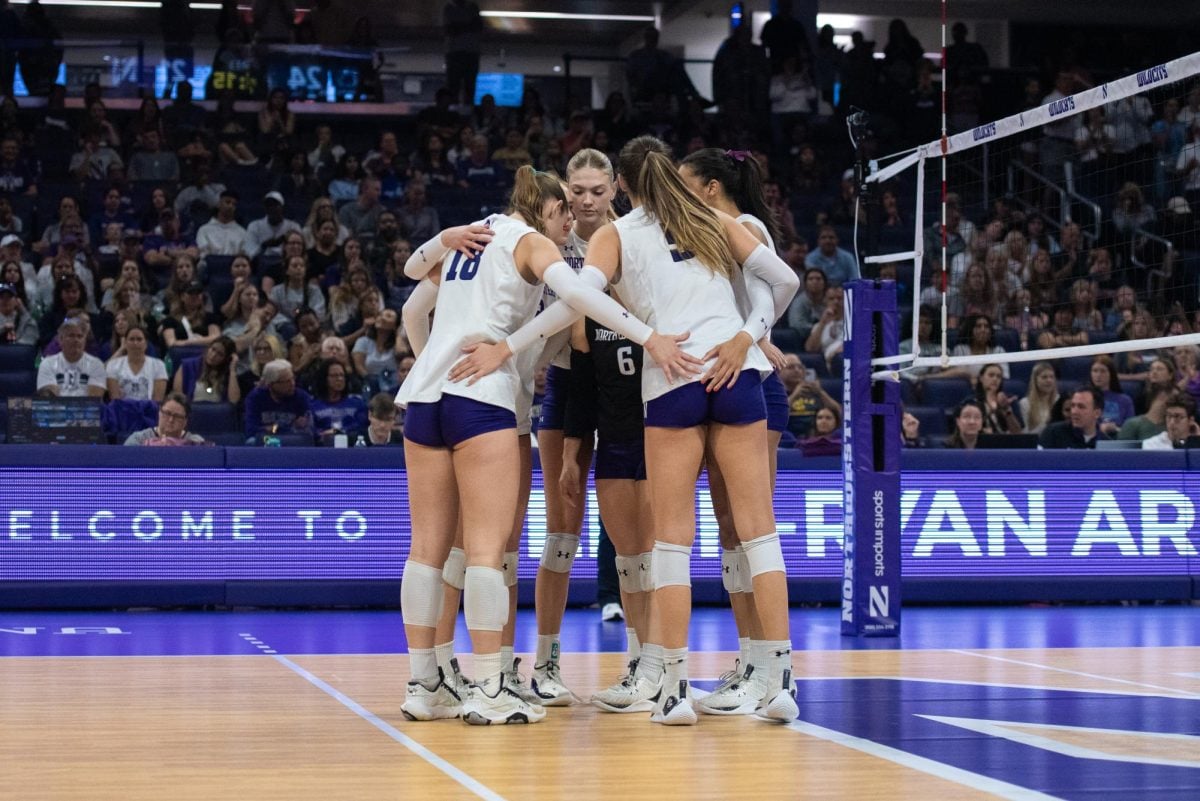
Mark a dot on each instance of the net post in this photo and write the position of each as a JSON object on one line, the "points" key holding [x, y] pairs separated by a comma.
{"points": [[871, 439]]}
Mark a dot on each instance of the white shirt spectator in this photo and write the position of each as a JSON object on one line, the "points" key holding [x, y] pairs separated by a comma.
{"points": [[1159, 442], [216, 238], [71, 378], [376, 361], [261, 231], [1190, 153], [140, 385]]}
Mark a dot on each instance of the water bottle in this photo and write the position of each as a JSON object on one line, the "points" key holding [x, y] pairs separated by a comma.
{"points": [[271, 441], [360, 442], [1025, 328], [340, 440]]}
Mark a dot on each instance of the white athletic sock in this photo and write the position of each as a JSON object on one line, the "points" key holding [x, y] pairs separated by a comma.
{"points": [[423, 665], [633, 649], [444, 653], [675, 668], [547, 649], [650, 664], [776, 656], [487, 672], [506, 658], [744, 655]]}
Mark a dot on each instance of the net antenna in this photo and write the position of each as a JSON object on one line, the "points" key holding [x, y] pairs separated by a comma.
{"points": [[1080, 205]]}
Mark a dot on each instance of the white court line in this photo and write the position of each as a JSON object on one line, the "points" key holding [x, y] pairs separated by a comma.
{"points": [[1189, 675], [1172, 690], [1006, 685], [475, 786], [950, 773]]}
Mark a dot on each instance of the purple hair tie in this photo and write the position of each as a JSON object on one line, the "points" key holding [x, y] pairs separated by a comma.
{"points": [[737, 155]]}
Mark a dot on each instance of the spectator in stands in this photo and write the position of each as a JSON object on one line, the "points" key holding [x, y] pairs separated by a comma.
{"points": [[845, 205], [321, 210], [198, 200], [72, 373], [1180, 419], [825, 438], [11, 252], [344, 296], [375, 353], [305, 346], [464, 29], [430, 164], [1072, 259], [296, 293], [231, 134], [1160, 375], [828, 335], [362, 216], [1123, 308], [17, 176], [1040, 398], [94, 157], [69, 293], [134, 375], [126, 293], [334, 410], [999, 416], [838, 265], [1083, 305], [112, 211], [419, 221], [352, 255], [740, 76], [1187, 165], [183, 272], [1062, 332], [478, 170], [980, 293], [324, 158], [806, 308], [10, 223], [164, 249], [222, 236], [151, 162], [805, 400], [275, 121], [488, 120], [1131, 210], [189, 324], [265, 348], [297, 185], [17, 324], [1144, 426], [968, 424], [381, 421], [975, 338], [1080, 429], [244, 317], [513, 154], [440, 117], [910, 432], [68, 207], [380, 245], [370, 303], [396, 285], [1057, 145], [1022, 316], [121, 323], [276, 405], [183, 119], [324, 253], [264, 236], [171, 430]]}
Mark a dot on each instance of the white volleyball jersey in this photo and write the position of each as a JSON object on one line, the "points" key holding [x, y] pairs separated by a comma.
{"points": [[674, 293], [557, 350], [483, 299], [739, 280]]}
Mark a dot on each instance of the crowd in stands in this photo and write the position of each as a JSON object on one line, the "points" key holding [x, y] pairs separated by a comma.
{"points": [[184, 255]]}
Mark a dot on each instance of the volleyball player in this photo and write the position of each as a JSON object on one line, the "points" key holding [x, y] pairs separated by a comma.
{"points": [[590, 192], [730, 181], [461, 442], [671, 259]]}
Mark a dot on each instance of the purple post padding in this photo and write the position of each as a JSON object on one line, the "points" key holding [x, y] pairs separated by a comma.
{"points": [[870, 465]]}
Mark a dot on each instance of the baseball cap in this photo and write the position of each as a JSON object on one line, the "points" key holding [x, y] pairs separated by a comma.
{"points": [[10, 239], [1179, 205], [193, 287], [278, 198]]}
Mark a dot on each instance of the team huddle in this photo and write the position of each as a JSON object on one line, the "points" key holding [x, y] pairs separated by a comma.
{"points": [[654, 328]]}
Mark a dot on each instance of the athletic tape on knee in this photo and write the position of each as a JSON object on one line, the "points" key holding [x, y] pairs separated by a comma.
{"points": [[509, 569], [455, 569], [627, 573], [646, 571], [420, 594], [729, 571], [485, 599], [672, 566], [764, 554], [559, 552], [745, 581]]}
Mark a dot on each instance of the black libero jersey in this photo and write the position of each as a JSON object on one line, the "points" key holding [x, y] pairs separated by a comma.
{"points": [[618, 369]]}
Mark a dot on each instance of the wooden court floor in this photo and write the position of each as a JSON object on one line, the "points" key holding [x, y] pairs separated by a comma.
{"points": [[261, 717]]}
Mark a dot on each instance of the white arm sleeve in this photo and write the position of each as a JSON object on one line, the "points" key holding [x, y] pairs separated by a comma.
{"points": [[763, 265], [415, 314], [762, 306], [555, 318], [425, 258], [586, 299]]}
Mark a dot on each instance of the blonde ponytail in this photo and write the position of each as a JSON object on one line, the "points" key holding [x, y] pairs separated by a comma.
{"points": [[531, 190], [693, 226]]}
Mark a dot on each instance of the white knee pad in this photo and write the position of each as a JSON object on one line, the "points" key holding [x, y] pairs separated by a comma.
{"points": [[559, 552], [485, 599], [509, 568], [764, 554], [420, 594], [730, 565], [745, 581], [627, 573], [454, 572], [645, 570], [672, 565]]}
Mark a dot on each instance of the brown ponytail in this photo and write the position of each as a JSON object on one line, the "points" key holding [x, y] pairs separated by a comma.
{"points": [[531, 190]]}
